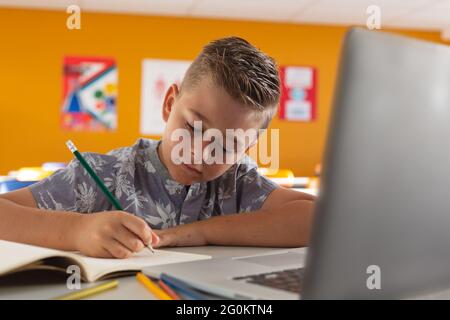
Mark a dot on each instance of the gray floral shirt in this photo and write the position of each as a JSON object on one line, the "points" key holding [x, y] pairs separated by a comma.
{"points": [[143, 186]]}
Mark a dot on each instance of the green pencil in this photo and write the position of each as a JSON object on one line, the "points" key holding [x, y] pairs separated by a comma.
{"points": [[97, 180]]}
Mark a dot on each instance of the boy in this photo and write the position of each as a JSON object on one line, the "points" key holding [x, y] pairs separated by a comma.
{"points": [[230, 85]]}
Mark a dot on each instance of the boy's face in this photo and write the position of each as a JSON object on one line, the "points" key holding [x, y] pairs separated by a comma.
{"points": [[215, 108]]}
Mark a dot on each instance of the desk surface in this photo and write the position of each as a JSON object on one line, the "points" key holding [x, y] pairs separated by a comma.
{"points": [[47, 285]]}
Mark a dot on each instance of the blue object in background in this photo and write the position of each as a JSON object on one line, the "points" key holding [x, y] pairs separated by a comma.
{"points": [[10, 185], [298, 94]]}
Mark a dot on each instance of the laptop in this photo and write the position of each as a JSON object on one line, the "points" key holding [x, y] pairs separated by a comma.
{"points": [[382, 221]]}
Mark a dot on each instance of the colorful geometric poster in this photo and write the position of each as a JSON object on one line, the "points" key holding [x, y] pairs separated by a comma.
{"points": [[157, 76], [89, 94], [298, 93]]}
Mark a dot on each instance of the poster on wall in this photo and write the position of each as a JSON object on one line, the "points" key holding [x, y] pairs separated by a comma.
{"points": [[89, 94], [157, 76], [298, 93]]}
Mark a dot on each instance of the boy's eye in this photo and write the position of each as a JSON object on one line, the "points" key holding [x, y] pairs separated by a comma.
{"points": [[188, 126], [192, 128]]}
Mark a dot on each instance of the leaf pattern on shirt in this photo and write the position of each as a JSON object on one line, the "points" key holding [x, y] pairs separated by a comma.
{"points": [[248, 178], [166, 212], [142, 159], [121, 154], [85, 197], [227, 187], [149, 166], [41, 203], [165, 217], [119, 184], [95, 162], [195, 189], [207, 209], [69, 172], [144, 187], [57, 205], [261, 198], [125, 161], [136, 199], [173, 187]]}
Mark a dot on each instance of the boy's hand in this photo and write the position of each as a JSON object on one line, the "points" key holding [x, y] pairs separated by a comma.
{"points": [[185, 235], [114, 234]]}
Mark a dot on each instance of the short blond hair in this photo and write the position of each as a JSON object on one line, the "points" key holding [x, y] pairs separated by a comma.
{"points": [[246, 73]]}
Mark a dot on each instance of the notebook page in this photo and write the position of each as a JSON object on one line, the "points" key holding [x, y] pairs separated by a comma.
{"points": [[96, 267], [14, 255]]}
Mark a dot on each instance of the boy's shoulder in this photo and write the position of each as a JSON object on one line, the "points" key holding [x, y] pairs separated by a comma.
{"points": [[120, 160], [140, 147], [243, 171]]}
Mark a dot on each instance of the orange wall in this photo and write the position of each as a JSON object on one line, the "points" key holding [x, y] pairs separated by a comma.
{"points": [[33, 44]]}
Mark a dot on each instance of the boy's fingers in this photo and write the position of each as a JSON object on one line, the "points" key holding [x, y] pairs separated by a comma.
{"points": [[128, 239], [139, 227], [103, 253], [165, 239], [155, 238], [99, 253], [117, 250]]}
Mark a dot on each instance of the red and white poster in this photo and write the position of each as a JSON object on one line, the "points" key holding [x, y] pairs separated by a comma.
{"points": [[89, 94], [157, 76], [298, 93]]}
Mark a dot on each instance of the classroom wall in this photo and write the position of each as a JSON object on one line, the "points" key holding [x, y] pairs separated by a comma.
{"points": [[33, 44]]}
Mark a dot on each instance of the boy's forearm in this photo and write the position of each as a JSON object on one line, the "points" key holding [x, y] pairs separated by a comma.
{"points": [[286, 226], [45, 228]]}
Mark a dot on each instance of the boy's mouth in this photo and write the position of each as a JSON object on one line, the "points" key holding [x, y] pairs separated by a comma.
{"points": [[192, 169]]}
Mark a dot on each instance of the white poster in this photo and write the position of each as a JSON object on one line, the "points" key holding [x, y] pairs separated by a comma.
{"points": [[157, 77]]}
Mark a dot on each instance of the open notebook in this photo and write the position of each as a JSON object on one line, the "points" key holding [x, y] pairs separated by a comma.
{"points": [[15, 257]]}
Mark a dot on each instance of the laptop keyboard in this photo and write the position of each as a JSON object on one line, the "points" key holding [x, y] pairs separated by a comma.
{"points": [[289, 280]]}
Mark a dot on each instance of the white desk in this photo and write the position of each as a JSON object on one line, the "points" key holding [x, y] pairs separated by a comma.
{"points": [[47, 285]]}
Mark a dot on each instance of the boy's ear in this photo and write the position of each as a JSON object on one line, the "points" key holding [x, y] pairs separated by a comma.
{"points": [[169, 100]]}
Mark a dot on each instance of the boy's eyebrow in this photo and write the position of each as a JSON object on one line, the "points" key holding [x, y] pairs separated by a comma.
{"points": [[202, 117]]}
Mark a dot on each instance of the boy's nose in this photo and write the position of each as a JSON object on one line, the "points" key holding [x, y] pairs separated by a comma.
{"points": [[198, 157], [204, 145]]}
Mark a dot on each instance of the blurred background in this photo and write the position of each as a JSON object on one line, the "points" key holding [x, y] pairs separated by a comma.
{"points": [[93, 71]]}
